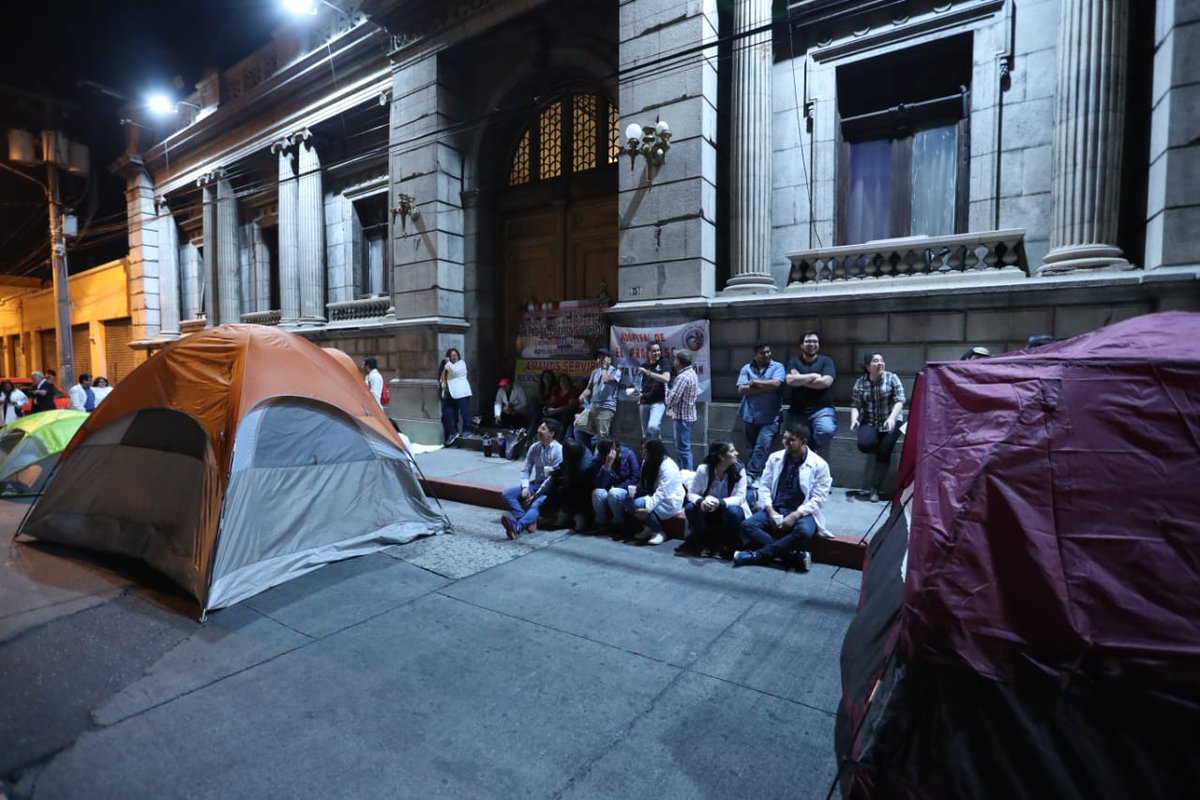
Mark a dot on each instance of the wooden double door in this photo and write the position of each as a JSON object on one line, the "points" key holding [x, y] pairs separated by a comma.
{"points": [[563, 250]]}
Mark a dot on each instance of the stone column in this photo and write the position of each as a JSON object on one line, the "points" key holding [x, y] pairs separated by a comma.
{"points": [[1088, 136], [168, 271], [229, 290], [310, 232], [262, 268], [208, 279], [190, 281], [289, 255], [750, 154]]}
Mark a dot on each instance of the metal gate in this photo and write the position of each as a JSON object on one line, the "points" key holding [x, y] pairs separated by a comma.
{"points": [[81, 342], [118, 334]]}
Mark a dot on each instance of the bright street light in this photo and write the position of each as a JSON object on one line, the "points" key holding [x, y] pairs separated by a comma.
{"points": [[300, 6], [160, 104]]}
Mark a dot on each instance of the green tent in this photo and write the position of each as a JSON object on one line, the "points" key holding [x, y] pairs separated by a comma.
{"points": [[30, 447]]}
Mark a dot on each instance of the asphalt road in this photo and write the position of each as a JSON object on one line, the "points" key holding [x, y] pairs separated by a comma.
{"points": [[462, 665]]}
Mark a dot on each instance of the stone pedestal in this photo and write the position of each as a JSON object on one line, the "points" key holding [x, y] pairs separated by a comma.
{"points": [[1088, 136]]}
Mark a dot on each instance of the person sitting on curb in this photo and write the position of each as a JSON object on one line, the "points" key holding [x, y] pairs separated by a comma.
{"points": [[794, 486], [716, 504], [511, 406], [525, 501], [570, 487], [659, 493], [616, 477]]}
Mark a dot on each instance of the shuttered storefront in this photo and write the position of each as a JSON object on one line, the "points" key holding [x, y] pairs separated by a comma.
{"points": [[82, 345], [49, 351], [118, 334]]}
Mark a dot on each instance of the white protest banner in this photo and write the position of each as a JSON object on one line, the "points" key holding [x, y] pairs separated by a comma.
{"points": [[629, 345]]}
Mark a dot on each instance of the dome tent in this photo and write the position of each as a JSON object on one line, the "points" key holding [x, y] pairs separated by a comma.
{"points": [[236, 459], [1029, 620], [30, 446]]}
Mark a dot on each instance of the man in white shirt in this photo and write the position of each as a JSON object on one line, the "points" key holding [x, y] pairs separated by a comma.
{"points": [[524, 501], [794, 487], [82, 396], [374, 379]]}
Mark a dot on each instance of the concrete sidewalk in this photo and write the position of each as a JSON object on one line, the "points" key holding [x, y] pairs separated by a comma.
{"points": [[462, 665]]}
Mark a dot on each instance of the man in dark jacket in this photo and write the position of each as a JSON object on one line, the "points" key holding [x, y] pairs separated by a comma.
{"points": [[43, 393]]}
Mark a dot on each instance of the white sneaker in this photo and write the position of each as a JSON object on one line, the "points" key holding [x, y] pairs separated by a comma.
{"points": [[657, 538], [644, 535]]}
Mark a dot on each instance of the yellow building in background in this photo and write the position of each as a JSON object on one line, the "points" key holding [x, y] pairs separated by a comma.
{"points": [[101, 327]]}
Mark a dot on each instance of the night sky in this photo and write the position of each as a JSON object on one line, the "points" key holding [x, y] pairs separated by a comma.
{"points": [[131, 47]]}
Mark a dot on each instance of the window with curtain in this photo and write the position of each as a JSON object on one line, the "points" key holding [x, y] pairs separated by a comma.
{"points": [[903, 159], [575, 132]]}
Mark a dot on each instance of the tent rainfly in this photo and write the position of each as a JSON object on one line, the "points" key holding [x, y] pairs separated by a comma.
{"points": [[31, 445], [236, 459], [1029, 619]]}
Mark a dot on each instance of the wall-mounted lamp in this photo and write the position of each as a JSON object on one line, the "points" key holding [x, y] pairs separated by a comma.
{"points": [[650, 142], [406, 209]]}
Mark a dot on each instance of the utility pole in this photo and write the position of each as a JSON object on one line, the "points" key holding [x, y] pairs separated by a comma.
{"points": [[58, 260]]}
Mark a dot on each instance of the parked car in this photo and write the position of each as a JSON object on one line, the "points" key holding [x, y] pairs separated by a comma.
{"points": [[26, 386]]}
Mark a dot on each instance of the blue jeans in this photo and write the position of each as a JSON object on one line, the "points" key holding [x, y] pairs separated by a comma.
{"points": [[525, 515], [652, 521], [822, 424], [769, 543], [683, 443], [609, 505], [758, 438], [714, 530], [652, 414], [451, 407]]}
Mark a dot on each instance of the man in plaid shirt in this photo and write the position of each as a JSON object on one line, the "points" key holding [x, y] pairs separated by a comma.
{"points": [[875, 405], [681, 405]]}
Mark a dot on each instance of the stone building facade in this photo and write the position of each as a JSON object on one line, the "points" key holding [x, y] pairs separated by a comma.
{"points": [[914, 178]]}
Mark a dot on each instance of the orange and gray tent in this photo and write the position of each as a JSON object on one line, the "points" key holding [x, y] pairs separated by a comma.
{"points": [[236, 459]]}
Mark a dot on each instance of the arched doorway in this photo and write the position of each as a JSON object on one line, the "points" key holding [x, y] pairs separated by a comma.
{"points": [[557, 216]]}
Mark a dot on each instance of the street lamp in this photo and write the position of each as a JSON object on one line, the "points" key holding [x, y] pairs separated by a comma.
{"points": [[161, 105]]}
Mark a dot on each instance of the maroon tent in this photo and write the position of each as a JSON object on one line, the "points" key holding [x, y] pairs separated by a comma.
{"points": [[1029, 623]]}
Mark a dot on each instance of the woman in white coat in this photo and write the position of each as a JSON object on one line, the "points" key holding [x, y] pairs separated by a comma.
{"points": [[659, 493], [12, 400], [716, 504]]}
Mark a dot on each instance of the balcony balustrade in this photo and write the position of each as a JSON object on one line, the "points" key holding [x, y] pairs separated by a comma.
{"points": [[365, 309], [262, 317], [910, 256]]}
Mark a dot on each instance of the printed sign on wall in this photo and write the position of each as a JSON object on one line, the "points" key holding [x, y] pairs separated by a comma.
{"points": [[628, 346]]}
